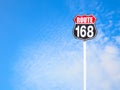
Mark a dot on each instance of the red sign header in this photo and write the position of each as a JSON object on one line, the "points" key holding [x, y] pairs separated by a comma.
{"points": [[90, 19]]}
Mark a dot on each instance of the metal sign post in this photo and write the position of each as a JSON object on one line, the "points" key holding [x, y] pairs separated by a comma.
{"points": [[84, 29], [84, 64]]}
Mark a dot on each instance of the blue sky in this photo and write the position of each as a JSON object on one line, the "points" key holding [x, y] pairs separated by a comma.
{"points": [[30, 30]]}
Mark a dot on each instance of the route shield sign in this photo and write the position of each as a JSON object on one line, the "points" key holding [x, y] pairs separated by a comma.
{"points": [[84, 27]]}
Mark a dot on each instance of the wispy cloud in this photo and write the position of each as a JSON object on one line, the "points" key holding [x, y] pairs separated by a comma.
{"points": [[61, 68]]}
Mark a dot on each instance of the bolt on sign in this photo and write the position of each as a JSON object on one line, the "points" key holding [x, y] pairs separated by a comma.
{"points": [[84, 27]]}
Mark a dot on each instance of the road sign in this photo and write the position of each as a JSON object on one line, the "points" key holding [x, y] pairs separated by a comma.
{"points": [[84, 27]]}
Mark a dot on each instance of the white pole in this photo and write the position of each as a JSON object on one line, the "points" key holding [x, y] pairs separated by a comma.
{"points": [[84, 64]]}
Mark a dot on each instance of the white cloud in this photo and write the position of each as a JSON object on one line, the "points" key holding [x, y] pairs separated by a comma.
{"points": [[56, 67]]}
